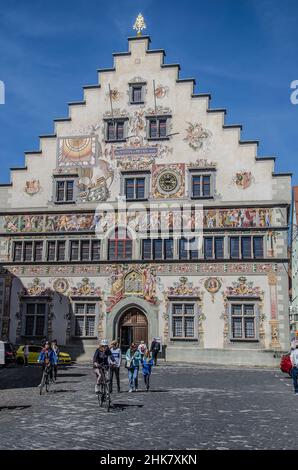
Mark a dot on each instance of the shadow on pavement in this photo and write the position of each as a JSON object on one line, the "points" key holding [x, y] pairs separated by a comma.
{"points": [[14, 407], [62, 391], [123, 406], [71, 375]]}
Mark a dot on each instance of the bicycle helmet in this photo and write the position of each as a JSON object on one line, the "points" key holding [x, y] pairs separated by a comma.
{"points": [[104, 342]]}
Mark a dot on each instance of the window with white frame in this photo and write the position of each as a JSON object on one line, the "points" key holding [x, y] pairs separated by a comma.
{"points": [[35, 318], [183, 320], [243, 320], [85, 313]]}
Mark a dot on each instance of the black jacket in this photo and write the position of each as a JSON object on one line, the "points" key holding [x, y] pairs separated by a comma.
{"points": [[101, 357]]}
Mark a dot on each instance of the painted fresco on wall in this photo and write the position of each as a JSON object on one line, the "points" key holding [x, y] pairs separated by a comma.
{"points": [[61, 285], [35, 289], [184, 288], [202, 163], [140, 281], [243, 287], [115, 94], [94, 182], [69, 222], [243, 179], [197, 137], [32, 187], [85, 288], [246, 217], [213, 218], [23, 223], [77, 151], [212, 285], [161, 91]]}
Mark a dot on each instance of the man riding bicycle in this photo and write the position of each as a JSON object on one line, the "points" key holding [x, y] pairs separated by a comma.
{"points": [[101, 362], [47, 358]]}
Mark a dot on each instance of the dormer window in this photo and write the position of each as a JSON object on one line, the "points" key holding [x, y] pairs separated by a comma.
{"points": [[157, 128], [116, 130], [136, 93]]}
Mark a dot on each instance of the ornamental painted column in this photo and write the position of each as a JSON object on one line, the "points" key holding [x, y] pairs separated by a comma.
{"points": [[273, 322]]}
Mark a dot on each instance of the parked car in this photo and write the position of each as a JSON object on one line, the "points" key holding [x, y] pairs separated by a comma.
{"points": [[286, 364], [34, 350], [7, 355]]}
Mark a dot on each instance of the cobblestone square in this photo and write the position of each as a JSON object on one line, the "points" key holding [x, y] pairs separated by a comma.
{"points": [[188, 407]]}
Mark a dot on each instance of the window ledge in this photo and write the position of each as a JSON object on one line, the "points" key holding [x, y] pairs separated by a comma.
{"points": [[201, 197], [233, 340], [185, 340], [137, 102], [64, 202], [158, 138], [114, 141]]}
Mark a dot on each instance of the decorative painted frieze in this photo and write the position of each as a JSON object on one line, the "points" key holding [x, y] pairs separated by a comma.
{"points": [[75, 222], [161, 269]]}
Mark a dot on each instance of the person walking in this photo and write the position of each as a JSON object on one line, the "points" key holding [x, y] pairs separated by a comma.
{"points": [[294, 360], [147, 363], [132, 363], [115, 366], [155, 347], [26, 354], [56, 351], [142, 348]]}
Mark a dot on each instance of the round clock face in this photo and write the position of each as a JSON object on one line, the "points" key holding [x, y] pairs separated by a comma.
{"points": [[168, 182]]}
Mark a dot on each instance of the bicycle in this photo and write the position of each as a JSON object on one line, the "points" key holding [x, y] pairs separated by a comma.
{"points": [[103, 395], [45, 380]]}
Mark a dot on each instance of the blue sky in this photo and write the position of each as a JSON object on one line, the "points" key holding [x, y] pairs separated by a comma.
{"points": [[245, 52]]}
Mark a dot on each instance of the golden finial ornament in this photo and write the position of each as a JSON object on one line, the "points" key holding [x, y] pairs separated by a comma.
{"points": [[139, 24]]}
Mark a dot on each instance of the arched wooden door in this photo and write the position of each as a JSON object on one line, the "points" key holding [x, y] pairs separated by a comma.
{"points": [[133, 328]]}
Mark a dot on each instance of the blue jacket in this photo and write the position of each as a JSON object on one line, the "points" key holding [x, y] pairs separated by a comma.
{"points": [[51, 355], [147, 366]]}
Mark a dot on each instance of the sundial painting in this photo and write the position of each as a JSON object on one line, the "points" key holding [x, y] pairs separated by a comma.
{"points": [[77, 151]]}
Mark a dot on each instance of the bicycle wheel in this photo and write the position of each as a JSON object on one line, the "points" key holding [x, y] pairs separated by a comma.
{"points": [[108, 402], [42, 383], [102, 395], [48, 383]]}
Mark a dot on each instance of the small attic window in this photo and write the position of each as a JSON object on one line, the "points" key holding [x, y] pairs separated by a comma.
{"points": [[136, 93]]}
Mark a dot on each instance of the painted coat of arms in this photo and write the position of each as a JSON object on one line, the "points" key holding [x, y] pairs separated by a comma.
{"points": [[243, 179], [32, 187]]}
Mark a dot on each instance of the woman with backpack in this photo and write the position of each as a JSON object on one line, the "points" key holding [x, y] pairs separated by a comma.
{"points": [[147, 363], [142, 348], [132, 364]]}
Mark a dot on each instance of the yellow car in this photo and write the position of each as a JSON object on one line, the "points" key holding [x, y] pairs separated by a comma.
{"points": [[64, 358]]}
